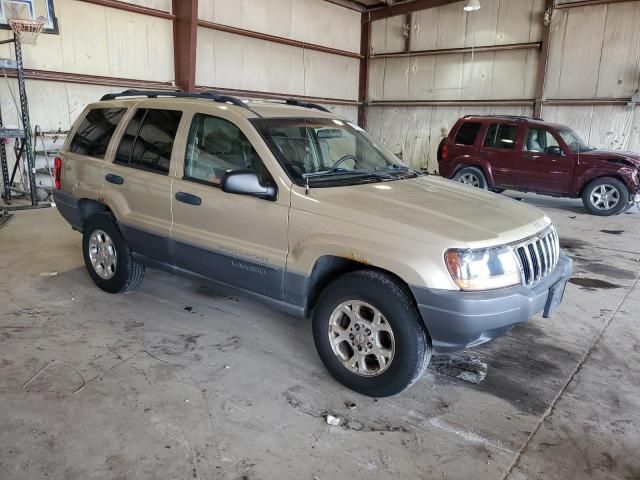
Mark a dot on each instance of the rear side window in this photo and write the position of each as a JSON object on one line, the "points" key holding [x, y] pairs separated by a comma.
{"points": [[148, 141], [94, 133], [501, 136], [467, 133]]}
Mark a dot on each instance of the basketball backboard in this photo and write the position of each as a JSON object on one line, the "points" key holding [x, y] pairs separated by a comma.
{"points": [[29, 10]]}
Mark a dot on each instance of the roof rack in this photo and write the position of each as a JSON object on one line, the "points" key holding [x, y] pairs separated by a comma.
{"points": [[300, 103], [208, 95], [518, 117]]}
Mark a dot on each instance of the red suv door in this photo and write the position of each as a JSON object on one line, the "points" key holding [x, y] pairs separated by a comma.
{"points": [[546, 165], [500, 147]]}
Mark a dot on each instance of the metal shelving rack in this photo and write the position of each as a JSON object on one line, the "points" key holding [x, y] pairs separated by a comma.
{"points": [[24, 142]]}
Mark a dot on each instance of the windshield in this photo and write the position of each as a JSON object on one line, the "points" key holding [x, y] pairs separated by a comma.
{"points": [[575, 143], [325, 150]]}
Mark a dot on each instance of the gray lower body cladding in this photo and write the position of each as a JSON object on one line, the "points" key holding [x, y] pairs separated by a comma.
{"points": [[67, 205], [455, 320]]}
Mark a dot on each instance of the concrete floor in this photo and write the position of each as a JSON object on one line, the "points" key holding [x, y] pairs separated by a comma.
{"points": [[176, 381]]}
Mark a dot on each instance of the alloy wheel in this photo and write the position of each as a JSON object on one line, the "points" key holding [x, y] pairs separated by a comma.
{"points": [[361, 338], [469, 179], [103, 255], [604, 197]]}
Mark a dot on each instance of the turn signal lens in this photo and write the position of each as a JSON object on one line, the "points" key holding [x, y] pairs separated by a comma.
{"points": [[485, 269]]}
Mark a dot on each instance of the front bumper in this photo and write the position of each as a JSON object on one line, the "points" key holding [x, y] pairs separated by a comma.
{"points": [[457, 320]]}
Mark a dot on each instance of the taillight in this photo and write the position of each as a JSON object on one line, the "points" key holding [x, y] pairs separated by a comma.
{"points": [[57, 171], [444, 153]]}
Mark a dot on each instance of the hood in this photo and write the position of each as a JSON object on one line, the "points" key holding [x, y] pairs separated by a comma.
{"points": [[427, 207], [627, 158]]}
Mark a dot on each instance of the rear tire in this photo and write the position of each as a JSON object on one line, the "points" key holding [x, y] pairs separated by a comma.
{"points": [[605, 196], [472, 176], [107, 256], [370, 335]]}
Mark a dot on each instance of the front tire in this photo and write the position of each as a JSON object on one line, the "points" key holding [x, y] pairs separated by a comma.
{"points": [[471, 176], [370, 335], [605, 196], [107, 256]]}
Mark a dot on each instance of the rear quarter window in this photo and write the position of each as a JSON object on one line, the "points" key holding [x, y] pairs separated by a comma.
{"points": [[467, 133], [95, 131]]}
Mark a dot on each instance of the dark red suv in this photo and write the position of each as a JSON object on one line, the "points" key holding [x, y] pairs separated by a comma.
{"points": [[530, 155]]}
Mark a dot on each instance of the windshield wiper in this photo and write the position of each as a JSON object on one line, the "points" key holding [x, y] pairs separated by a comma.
{"points": [[335, 173]]}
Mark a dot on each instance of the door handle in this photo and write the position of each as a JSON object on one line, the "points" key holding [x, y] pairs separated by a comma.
{"points": [[530, 157], [115, 179], [185, 197]]}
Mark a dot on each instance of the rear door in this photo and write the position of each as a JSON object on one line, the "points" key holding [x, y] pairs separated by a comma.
{"points": [[137, 185], [238, 240], [545, 166], [500, 149]]}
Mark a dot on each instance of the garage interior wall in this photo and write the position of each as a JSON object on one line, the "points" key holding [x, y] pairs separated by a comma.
{"points": [[238, 61], [593, 71], [417, 93], [103, 46], [98, 44], [426, 69]]}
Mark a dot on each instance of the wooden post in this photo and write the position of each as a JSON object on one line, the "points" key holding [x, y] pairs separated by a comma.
{"points": [[185, 37]]}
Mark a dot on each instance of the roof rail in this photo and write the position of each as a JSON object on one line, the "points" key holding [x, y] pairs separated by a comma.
{"points": [[519, 117], [300, 103], [208, 95]]}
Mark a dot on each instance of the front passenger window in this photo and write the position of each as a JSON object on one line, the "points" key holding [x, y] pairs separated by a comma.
{"points": [[541, 141], [216, 146]]}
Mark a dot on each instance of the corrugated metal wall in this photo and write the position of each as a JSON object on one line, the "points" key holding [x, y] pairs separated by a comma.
{"points": [[240, 62], [595, 55], [93, 40], [415, 132], [594, 58]]}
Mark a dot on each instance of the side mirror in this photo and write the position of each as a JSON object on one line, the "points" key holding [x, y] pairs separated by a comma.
{"points": [[246, 182], [555, 150]]}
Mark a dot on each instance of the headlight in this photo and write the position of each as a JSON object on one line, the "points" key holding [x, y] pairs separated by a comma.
{"points": [[484, 269]]}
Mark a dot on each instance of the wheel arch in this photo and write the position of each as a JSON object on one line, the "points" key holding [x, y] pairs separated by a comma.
{"points": [[484, 167], [588, 178], [329, 267], [87, 208]]}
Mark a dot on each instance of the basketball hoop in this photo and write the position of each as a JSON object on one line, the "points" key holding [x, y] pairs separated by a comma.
{"points": [[26, 31]]}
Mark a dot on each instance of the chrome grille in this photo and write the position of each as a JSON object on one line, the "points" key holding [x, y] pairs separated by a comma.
{"points": [[538, 256]]}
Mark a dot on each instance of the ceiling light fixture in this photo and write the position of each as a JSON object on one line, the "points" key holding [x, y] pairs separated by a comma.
{"points": [[472, 5]]}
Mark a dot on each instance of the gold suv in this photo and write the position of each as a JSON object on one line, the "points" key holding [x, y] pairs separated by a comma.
{"points": [[303, 209]]}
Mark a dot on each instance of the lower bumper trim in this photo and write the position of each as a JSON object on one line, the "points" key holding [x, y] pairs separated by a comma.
{"points": [[457, 320]]}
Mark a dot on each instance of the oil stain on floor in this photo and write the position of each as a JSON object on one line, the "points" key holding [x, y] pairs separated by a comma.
{"points": [[593, 283]]}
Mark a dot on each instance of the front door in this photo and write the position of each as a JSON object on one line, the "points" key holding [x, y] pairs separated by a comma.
{"points": [[234, 239], [137, 185], [545, 166]]}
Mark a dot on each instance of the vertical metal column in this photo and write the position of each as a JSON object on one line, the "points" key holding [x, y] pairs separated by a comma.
{"points": [[26, 124], [6, 193]]}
